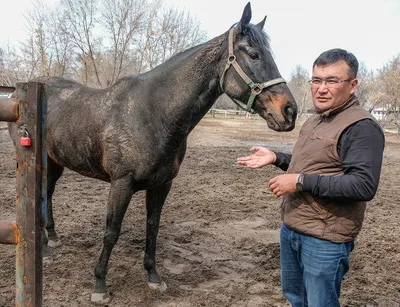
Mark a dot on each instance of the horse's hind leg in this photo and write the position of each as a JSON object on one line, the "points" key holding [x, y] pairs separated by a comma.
{"points": [[118, 200], [155, 199], [53, 174]]}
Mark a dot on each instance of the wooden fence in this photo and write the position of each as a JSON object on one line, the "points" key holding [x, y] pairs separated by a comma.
{"points": [[231, 114]]}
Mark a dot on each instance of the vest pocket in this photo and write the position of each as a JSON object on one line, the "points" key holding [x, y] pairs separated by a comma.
{"points": [[322, 212]]}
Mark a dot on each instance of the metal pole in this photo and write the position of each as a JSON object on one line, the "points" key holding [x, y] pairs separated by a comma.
{"points": [[29, 279], [8, 110], [9, 232]]}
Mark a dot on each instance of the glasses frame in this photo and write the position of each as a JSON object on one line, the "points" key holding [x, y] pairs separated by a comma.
{"points": [[325, 80]]}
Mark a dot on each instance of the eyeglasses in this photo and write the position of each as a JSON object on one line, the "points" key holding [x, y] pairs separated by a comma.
{"points": [[329, 82]]}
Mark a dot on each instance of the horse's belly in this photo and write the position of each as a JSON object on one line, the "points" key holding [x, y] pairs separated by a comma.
{"points": [[78, 158]]}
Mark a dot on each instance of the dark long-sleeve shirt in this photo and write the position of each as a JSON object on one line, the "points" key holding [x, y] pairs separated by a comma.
{"points": [[360, 150]]}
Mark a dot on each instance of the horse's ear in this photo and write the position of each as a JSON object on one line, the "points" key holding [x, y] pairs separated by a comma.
{"points": [[246, 17], [261, 24]]}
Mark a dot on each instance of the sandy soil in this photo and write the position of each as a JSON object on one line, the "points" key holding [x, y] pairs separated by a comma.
{"points": [[218, 242]]}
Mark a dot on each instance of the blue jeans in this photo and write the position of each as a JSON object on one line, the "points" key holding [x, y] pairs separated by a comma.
{"points": [[312, 270]]}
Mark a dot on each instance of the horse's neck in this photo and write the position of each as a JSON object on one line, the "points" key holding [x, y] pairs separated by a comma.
{"points": [[195, 89]]}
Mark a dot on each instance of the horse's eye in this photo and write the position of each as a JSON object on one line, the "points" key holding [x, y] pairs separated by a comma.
{"points": [[253, 55]]}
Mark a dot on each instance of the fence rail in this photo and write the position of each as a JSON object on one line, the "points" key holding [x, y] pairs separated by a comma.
{"points": [[231, 114], [8, 110]]}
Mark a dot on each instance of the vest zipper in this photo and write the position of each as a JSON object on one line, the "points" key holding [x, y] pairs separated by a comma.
{"points": [[320, 213], [316, 209]]}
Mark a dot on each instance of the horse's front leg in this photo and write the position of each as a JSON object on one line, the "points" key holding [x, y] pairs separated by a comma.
{"points": [[120, 195], [155, 199]]}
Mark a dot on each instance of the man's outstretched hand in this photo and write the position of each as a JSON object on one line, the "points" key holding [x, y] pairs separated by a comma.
{"points": [[262, 156]]}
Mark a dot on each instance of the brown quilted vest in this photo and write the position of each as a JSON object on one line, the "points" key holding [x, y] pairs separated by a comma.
{"points": [[315, 152]]}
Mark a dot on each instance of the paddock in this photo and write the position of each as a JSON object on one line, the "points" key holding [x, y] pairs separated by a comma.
{"points": [[218, 241]]}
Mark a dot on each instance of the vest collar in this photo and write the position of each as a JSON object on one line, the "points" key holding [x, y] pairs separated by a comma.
{"points": [[353, 100]]}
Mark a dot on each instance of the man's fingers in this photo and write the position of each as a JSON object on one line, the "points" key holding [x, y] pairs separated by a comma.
{"points": [[249, 163]]}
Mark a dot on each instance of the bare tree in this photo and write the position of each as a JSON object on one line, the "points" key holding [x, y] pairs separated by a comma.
{"points": [[5, 78], [180, 31], [46, 51], [300, 89], [62, 48], [169, 31], [123, 21], [79, 24], [15, 66], [98, 41], [389, 79], [367, 87], [34, 49]]}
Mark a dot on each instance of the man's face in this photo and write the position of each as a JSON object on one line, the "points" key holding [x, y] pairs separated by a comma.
{"points": [[337, 87]]}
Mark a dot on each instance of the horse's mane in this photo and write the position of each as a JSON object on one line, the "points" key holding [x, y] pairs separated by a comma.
{"points": [[256, 36]]}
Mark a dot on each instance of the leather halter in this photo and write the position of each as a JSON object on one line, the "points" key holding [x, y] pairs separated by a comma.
{"points": [[256, 88]]}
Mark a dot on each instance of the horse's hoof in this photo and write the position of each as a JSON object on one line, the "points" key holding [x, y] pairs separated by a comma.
{"points": [[162, 287], [100, 298], [53, 244]]}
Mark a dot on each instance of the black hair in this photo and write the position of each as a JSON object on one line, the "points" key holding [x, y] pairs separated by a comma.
{"points": [[334, 55]]}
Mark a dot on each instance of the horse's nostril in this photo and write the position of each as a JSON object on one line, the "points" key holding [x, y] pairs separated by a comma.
{"points": [[288, 109]]}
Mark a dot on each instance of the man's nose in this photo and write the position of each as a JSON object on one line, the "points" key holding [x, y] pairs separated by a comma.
{"points": [[322, 87]]}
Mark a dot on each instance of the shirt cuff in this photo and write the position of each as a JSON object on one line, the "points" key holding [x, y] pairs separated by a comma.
{"points": [[310, 182], [280, 158]]}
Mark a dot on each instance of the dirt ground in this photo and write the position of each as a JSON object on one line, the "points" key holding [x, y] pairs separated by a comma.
{"points": [[218, 242]]}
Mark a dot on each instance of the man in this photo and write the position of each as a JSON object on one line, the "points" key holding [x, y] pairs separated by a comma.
{"points": [[334, 169]]}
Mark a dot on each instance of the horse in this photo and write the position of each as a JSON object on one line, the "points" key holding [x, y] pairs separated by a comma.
{"points": [[133, 134]]}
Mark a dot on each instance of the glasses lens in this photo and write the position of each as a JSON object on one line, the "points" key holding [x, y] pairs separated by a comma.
{"points": [[332, 81], [315, 82], [329, 83]]}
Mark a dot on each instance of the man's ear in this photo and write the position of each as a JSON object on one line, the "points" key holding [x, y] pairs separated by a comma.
{"points": [[354, 85]]}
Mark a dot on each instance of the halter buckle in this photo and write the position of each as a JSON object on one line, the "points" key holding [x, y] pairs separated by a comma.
{"points": [[256, 89], [231, 59]]}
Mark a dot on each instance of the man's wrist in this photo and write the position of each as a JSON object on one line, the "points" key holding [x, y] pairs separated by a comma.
{"points": [[300, 182]]}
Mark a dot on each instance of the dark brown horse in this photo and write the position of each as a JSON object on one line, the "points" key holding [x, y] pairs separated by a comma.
{"points": [[133, 134]]}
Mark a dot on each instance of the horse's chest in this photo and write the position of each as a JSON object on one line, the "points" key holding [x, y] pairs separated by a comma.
{"points": [[159, 169]]}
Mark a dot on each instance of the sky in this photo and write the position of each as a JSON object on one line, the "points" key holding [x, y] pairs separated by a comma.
{"points": [[299, 30]]}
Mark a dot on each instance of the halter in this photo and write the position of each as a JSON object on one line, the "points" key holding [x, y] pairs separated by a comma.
{"points": [[256, 88]]}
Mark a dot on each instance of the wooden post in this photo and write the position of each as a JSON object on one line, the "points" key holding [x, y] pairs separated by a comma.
{"points": [[28, 110], [29, 280]]}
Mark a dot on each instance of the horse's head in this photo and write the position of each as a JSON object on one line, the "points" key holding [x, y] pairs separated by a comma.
{"points": [[251, 77]]}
